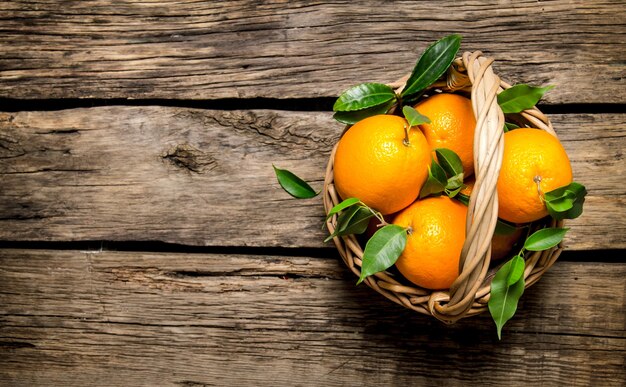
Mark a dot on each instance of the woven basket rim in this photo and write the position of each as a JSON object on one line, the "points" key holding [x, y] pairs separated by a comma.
{"points": [[469, 294]]}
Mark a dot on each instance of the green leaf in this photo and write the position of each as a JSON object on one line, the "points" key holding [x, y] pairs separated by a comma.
{"points": [[351, 118], [504, 228], [517, 270], [509, 126], [453, 192], [343, 221], [545, 239], [573, 213], [352, 221], [342, 206], [453, 168], [413, 117], [504, 298], [520, 97], [566, 202], [294, 185], [432, 64], [436, 182], [363, 96], [463, 199], [382, 250], [359, 222], [563, 203], [455, 182], [449, 161]]}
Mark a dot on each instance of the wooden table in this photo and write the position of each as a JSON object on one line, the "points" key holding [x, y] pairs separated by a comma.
{"points": [[145, 241]]}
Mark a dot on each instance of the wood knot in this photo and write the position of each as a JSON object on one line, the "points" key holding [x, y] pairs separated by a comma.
{"points": [[192, 159]]}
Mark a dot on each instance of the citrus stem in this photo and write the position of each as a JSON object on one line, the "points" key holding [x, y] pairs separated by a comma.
{"points": [[399, 99], [521, 251], [378, 216], [406, 136]]}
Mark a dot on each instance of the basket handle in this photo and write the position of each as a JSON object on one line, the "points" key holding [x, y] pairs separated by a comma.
{"points": [[475, 71]]}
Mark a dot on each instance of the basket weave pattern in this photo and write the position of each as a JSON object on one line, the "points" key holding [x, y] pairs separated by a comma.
{"points": [[470, 292]]}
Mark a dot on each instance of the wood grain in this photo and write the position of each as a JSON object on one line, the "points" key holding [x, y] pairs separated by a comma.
{"points": [[204, 177], [175, 319], [295, 49]]}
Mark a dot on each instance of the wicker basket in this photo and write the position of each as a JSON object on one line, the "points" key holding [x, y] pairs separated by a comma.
{"points": [[470, 292]]}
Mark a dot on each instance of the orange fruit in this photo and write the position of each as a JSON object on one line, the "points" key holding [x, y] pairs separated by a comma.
{"points": [[433, 248], [534, 162], [452, 125], [373, 163], [502, 244]]}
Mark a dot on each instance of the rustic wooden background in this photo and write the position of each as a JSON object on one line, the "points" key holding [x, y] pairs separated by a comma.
{"points": [[144, 240]]}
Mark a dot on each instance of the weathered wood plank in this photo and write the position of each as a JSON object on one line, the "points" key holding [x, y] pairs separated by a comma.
{"points": [[146, 319], [203, 177], [243, 49]]}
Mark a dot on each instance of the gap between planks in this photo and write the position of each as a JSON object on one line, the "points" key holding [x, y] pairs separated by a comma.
{"points": [[94, 247], [319, 104]]}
